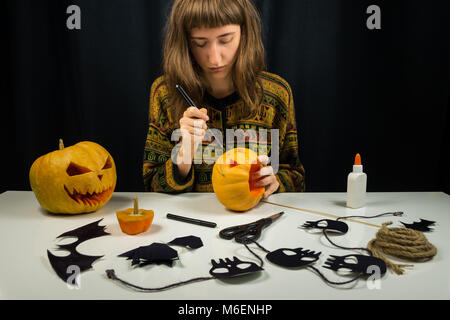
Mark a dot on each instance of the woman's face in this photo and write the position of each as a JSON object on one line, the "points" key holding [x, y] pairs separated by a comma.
{"points": [[215, 49]]}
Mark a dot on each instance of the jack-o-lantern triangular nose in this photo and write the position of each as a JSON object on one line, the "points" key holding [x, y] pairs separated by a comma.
{"points": [[100, 176]]}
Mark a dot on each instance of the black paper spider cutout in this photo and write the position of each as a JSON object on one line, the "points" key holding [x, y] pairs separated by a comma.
{"points": [[156, 253], [161, 253]]}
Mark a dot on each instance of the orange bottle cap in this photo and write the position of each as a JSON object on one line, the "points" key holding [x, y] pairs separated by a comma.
{"points": [[357, 160]]}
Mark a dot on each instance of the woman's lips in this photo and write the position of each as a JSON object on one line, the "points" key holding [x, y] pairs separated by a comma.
{"points": [[216, 69]]}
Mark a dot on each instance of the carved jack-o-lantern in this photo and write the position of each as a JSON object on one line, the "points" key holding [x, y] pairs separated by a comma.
{"points": [[76, 179]]}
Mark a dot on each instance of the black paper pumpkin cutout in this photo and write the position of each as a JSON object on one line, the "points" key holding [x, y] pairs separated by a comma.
{"points": [[300, 257]]}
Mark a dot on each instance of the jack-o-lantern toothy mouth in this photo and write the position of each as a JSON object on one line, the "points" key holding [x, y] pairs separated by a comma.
{"points": [[91, 199]]}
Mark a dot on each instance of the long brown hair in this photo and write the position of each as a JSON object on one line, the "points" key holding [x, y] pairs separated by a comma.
{"points": [[180, 66]]}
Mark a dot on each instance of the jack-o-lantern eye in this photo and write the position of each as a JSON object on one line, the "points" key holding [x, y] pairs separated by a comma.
{"points": [[74, 169], [108, 164]]}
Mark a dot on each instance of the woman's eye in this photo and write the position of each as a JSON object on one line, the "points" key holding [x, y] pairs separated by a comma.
{"points": [[200, 45], [225, 41]]}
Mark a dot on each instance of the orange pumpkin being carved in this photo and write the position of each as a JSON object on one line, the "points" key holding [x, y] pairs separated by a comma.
{"points": [[76, 179], [232, 182]]}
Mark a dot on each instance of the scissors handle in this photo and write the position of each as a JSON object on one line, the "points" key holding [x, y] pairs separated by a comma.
{"points": [[244, 233], [250, 235], [231, 232]]}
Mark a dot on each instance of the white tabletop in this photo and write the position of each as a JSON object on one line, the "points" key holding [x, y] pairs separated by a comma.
{"points": [[27, 231]]}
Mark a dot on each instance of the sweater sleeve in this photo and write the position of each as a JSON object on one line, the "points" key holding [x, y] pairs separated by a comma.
{"points": [[159, 172], [291, 173]]}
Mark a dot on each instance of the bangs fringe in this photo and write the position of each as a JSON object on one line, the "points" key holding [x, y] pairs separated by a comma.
{"points": [[211, 14]]}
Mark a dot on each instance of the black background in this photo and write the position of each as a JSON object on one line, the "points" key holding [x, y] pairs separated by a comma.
{"points": [[382, 93]]}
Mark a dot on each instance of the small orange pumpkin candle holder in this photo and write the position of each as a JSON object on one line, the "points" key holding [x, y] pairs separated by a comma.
{"points": [[134, 220]]}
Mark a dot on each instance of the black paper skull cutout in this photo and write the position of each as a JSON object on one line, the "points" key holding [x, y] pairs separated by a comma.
{"points": [[326, 224], [232, 268], [356, 263], [299, 258]]}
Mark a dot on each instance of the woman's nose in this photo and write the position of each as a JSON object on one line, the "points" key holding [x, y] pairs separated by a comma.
{"points": [[214, 56]]}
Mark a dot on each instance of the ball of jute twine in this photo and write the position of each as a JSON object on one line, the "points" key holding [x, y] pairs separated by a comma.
{"points": [[402, 242]]}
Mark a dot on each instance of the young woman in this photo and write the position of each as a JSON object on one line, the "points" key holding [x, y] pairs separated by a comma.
{"points": [[214, 50]]}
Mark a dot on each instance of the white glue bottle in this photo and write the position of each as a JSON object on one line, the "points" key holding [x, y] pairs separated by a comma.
{"points": [[356, 185]]}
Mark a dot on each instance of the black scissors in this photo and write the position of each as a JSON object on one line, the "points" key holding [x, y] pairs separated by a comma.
{"points": [[247, 233]]}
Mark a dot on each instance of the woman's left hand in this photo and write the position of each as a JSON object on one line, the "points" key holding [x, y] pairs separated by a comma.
{"points": [[265, 177]]}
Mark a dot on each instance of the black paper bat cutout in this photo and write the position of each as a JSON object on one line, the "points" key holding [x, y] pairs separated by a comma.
{"points": [[300, 257], [326, 224], [156, 253], [361, 265], [423, 225], [63, 266], [191, 242], [232, 268]]}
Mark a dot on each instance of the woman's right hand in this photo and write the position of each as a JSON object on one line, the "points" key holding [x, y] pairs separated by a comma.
{"points": [[193, 129]]}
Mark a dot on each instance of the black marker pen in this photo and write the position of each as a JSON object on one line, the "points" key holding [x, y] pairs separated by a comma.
{"points": [[191, 220]]}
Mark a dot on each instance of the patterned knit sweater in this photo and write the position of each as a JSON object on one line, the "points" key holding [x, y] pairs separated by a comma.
{"points": [[276, 112]]}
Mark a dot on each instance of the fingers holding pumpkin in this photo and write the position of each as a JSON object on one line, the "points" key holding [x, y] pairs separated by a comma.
{"points": [[263, 172], [266, 178], [261, 177], [273, 186]]}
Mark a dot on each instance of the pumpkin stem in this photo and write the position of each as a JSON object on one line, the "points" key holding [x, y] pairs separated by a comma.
{"points": [[61, 144], [136, 207]]}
